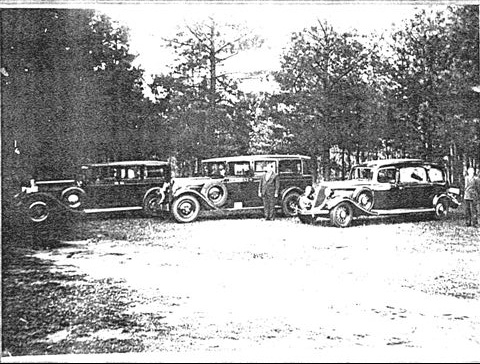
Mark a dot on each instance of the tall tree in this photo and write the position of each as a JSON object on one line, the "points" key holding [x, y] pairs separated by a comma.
{"points": [[71, 95], [202, 96], [323, 79], [433, 67]]}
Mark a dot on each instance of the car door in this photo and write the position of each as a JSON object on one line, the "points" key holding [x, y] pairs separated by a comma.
{"points": [[290, 174], [131, 187], [260, 168], [103, 189], [414, 187], [387, 193], [241, 185]]}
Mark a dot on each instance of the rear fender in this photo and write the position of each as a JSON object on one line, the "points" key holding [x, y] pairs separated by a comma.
{"points": [[453, 202], [291, 189], [160, 191]]}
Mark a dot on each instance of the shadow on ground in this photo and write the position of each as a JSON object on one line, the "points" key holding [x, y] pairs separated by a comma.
{"points": [[45, 311]]}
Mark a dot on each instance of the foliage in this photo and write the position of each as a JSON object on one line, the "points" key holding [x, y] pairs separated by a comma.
{"points": [[71, 95], [204, 104], [328, 92], [434, 64]]}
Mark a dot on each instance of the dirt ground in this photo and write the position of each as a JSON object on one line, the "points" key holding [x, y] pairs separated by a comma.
{"points": [[248, 290]]}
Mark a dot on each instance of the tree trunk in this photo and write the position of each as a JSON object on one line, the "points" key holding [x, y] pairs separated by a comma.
{"points": [[213, 67]]}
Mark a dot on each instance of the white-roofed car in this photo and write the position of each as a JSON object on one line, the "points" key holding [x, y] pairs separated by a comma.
{"points": [[231, 184], [381, 188]]}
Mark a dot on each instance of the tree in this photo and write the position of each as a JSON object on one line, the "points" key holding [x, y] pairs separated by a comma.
{"points": [[202, 97], [324, 79], [433, 68], [71, 95]]}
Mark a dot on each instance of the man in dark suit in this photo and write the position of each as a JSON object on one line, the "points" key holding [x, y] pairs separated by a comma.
{"points": [[268, 190]]}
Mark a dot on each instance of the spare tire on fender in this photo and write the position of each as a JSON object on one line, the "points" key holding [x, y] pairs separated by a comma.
{"points": [[216, 193], [364, 197]]}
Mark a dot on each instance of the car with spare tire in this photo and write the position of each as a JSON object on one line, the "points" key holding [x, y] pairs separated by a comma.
{"points": [[98, 188], [381, 188], [230, 184]]}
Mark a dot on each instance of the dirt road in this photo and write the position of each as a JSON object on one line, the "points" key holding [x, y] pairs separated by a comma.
{"points": [[255, 290]]}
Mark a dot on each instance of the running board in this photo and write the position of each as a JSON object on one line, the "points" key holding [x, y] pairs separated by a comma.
{"points": [[246, 208], [402, 211], [112, 209]]}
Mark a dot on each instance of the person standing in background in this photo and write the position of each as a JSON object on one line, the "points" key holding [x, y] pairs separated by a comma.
{"points": [[268, 191], [471, 197]]}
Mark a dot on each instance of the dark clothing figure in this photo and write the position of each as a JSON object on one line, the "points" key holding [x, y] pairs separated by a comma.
{"points": [[472, 192], [471, 212], [268, 191]]}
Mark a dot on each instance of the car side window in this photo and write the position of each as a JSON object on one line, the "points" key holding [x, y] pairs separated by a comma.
{"points": [[413, 175], [290, 166], [436, 175], [239, 168], [307, 166], [154, 172], [262, 166], [387, 175]]}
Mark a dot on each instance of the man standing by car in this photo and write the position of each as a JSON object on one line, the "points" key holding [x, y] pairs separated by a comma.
{"points": [[268, 190], [472, 186]]}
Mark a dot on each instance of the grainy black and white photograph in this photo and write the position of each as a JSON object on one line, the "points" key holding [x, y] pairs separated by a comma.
{"points": [[219, 181]]}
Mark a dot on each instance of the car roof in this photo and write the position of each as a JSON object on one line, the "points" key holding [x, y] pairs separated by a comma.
{"points": [[128, 164], [395, 162], [256, 157]]}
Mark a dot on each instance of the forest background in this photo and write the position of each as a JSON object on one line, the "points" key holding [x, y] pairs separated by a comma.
{"points": [[71, 94]]}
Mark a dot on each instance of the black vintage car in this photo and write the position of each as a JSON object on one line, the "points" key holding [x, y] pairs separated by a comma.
{"points": [[101, 187], [379, 188], [231, 184]]}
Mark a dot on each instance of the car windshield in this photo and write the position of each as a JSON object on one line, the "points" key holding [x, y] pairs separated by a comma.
{"points": [[364, 173]]}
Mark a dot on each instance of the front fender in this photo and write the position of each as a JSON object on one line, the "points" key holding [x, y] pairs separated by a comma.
{"points": [[203, 200], [357, 209], [30, 197]]}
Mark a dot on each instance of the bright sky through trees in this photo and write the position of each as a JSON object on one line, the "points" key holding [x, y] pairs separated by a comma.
{"points": [[273, 21]]}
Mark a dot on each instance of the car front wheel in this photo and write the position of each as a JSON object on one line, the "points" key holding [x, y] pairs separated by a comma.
{"points": [[342, 215], [185, 208], [38, 211]]}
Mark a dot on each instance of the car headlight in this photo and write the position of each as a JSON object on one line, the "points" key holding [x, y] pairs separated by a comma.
{"points": [[308, 190]]}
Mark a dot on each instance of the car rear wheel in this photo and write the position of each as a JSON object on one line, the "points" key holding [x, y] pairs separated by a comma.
{"points": [[342, 215], [185, 208], [290, 204], [441, 209], [152, 206]]}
